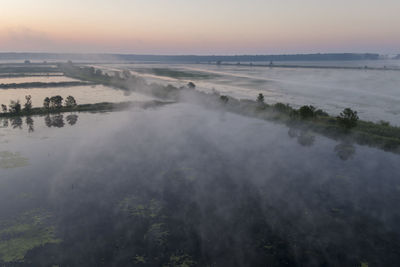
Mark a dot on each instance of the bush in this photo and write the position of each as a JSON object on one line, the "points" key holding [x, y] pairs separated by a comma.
{"points": [[280, 107], [28, 103], [70, 102], [348, 118], [260, 98], [224, 99], [56, 101], [321, 113], [46, 103], [307, 112], [191, 85], [15, 107]]}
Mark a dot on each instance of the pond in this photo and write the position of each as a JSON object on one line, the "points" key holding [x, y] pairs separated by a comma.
{"points": [[179, 185], [84, 94]]}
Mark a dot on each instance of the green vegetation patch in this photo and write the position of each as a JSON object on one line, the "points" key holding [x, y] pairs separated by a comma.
{"points": [[9, 160], [180, 261], [157, 234], [138, 208], [29, 231]]}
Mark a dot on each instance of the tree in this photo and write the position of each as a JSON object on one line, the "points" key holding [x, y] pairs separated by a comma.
{"points": [[3, 108], [70, 102], [224, 99], [260, 98], [307, 112], [280, 107], [56, 102], [191, 85], [46, 103], [15, 107], [28, 103], [348, 118], [321, 113]]}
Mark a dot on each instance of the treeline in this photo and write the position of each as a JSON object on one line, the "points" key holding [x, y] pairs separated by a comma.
{"points": [[190, 58], [53, 103], [28, 69], [345, 126], [42, 85]]}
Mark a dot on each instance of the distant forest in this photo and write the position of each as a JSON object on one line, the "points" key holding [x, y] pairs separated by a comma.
{"points": [[187, 58]]}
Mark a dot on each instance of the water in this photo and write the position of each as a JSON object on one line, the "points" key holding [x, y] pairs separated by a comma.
{"points": [[181, 184], [42, 79], [374, 94], [83, 94]]}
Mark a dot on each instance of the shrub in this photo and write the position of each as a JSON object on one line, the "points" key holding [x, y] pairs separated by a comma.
{"points": [[56, 101], [280, 107], [348, 118], [191, 85], [224, 99], [70, 102], [321, 113], [46, 103], [307, 112], [260, 98], [28, 103], [15, 107]]}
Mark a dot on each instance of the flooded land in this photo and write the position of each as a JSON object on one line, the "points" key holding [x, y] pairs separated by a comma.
{"points": [[375, 94], [201, 179]]}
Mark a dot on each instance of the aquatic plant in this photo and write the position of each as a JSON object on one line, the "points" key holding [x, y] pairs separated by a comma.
{"points": [[25, 233]]}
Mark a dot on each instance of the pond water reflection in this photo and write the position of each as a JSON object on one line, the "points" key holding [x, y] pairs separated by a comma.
{"points": [[183, 185], [82, 94], [50, 120]]}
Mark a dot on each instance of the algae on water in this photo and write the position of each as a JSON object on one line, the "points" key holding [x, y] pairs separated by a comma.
{"points": [[9, 160], [140, 208], [29, 231]]}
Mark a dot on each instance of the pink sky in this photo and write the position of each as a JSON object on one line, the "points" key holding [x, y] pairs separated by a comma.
{"points": [[200, 27]]}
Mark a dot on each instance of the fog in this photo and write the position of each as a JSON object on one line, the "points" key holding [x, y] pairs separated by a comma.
{"points": [[180, 184], [374, 94]]}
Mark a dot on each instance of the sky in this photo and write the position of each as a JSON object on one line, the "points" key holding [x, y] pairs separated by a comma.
{"points": [[200, 26]]}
